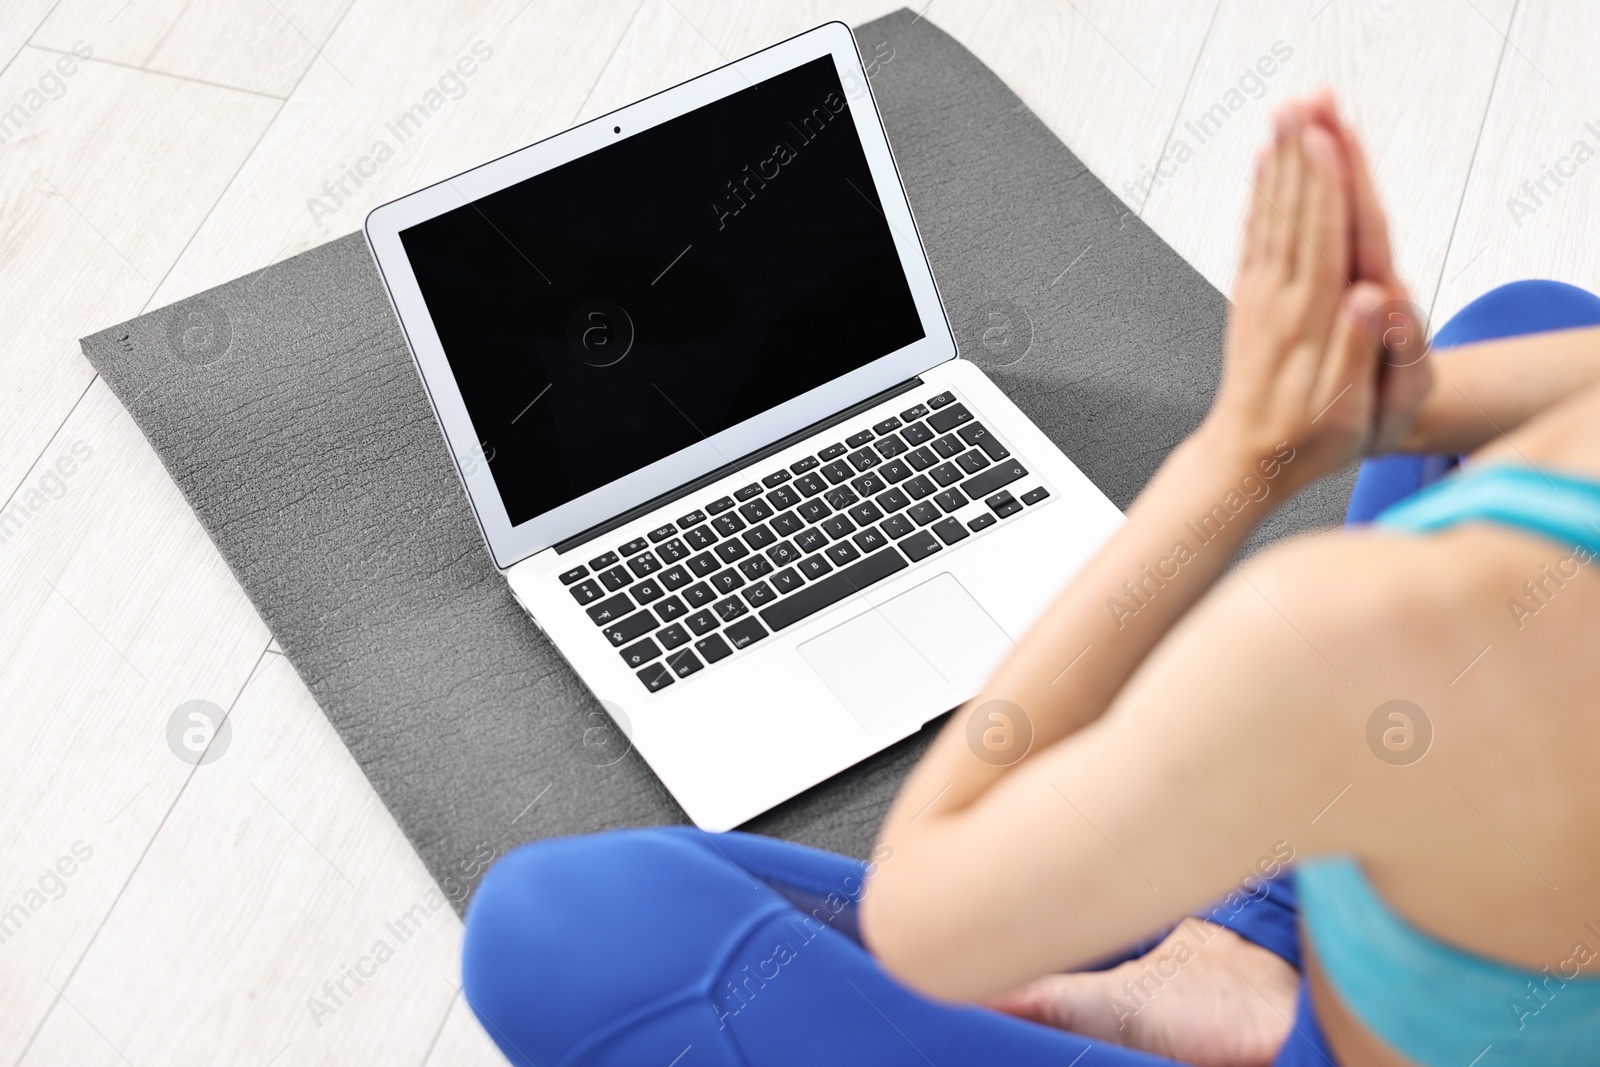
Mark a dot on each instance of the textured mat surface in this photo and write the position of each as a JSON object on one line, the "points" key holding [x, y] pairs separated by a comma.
{"points": [[287, 409]]}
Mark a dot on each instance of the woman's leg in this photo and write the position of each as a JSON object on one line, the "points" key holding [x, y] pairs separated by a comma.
{"points": [[671, 946], [1512, 310]]}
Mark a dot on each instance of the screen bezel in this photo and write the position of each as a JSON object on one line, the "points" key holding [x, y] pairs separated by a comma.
{"points": [[509, 544]]}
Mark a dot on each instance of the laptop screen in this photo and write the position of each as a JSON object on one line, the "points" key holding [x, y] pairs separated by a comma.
{"points": [[623, 306]]}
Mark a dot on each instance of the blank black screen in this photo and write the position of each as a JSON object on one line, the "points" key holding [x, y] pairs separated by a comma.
{"points": [[620, 307]]}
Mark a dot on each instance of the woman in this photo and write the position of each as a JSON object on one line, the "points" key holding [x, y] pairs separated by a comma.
{"points": [[1400, 709]]}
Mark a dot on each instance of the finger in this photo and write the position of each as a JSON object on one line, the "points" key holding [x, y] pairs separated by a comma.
{"points": [[1286, 195], [1348, 384], [1258, 216], [1373, 252], [1324, 256]]}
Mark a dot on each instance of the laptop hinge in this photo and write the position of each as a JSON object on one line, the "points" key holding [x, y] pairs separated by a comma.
{"points": [[726, 469]]}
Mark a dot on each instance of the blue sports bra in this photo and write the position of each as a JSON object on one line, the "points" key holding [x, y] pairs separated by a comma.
{"points": [[1430, 1001]]}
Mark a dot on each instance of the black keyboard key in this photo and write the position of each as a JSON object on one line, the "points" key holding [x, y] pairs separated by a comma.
{"points": [[600, 563], [895, 471], [924, 514], [760, 594], [699, 537], [755, 511], [892, 501], [783, 497], [842, 497], [945, 474], [837, 471], [776, 478], [703, 564], [729, 609], [814, 567], [810, 484], [634, 547], [759, 537], [787, 581], [729, 551], [1001, 474], [856, 440], [643, 652], [726, 581], [842, 552], [786, 524], [745, 632], [614, 579], [863, 459], [661, 533], [655, 677], [921, 459], [1004, 504], [691, 519], [673, 636], [951, 500], [756, 567], [713, 648], [670, 608], [887, 425], [948, 445], [586, 592], [941, 400], [635, 625], [747, 492], [783, 553], [717, 507], [675, 577], [982, 522], [683, 663], [918, 487], [865, 514], [647, 591], [973, 432], [643, 565], [810, 539], [870, 540], [813, 511], [727, 525], [914, 413], [1033, 496], [919, 545], [972, 461], [672, 551], [801, 466], [699, 595], [832, 589], [869, 485], [838, 526], [950, 531], [917, 434], [831, 452], [897, 526], [702, 622], [611, 609], [891, 446], [949, 418], [568, 577]]}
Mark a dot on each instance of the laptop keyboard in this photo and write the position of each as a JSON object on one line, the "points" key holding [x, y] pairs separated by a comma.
{"points": [[803, 538]]}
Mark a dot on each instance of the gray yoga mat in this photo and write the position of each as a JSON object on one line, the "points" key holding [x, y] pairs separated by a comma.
{"points": [[286, 407]]}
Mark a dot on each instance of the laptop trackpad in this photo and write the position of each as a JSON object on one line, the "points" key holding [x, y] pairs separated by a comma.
{"points": [[892, 662]]}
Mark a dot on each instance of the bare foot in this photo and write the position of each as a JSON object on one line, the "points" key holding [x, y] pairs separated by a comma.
{"points": [[1203, 996]]}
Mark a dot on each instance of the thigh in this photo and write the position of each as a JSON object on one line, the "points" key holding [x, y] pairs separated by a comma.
{"points": [[644, 946]]}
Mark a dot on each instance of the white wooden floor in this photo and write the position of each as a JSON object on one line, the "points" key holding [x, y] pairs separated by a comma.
{"points": [[206, 906]]}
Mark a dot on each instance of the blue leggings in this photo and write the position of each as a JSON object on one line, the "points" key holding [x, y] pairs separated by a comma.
{"points": [[676, 948]]}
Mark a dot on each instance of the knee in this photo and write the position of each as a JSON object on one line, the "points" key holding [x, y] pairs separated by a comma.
{"points": [[564, 936]]}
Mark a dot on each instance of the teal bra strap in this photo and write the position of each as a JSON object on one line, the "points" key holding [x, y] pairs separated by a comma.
{"points": [[1561, 507]]}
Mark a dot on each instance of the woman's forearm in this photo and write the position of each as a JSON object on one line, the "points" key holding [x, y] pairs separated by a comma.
{"points": [[1481, 391], [1181, 533]]}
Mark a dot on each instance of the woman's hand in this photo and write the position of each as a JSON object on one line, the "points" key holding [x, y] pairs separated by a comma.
{"points": [[1299, 365]]}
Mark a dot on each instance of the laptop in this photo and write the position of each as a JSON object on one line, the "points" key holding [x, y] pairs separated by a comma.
{"points": [[693, 368]]}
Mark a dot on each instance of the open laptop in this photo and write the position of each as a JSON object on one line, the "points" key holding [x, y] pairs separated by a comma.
{"points": [[697, 380]]}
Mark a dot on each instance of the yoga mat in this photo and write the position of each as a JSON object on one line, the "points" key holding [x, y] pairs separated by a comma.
{"points": [[287, 409]]}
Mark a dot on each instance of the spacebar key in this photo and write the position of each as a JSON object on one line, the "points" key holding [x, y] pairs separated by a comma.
{"points": [[834, 588]]}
